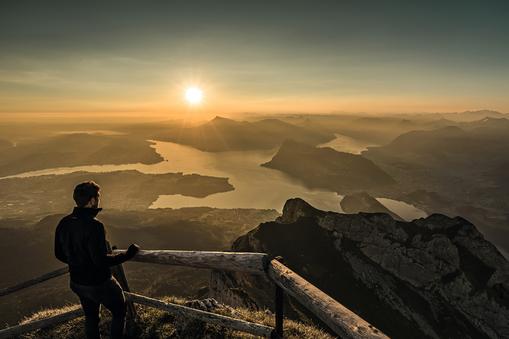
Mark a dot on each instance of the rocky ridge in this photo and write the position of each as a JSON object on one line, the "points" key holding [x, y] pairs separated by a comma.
{"points": [[433, 277]]}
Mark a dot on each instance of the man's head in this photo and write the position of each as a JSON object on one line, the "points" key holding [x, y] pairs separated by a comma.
{"points": [[87, 194]]}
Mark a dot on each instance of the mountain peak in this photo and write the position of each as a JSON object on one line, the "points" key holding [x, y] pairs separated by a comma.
{"points": [[294, 209], [220, 119]]}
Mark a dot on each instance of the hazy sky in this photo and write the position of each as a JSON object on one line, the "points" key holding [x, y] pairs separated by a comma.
{"points": [[256, 56]]}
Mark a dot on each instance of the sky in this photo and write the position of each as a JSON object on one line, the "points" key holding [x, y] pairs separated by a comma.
{"points": [[253, 56]]}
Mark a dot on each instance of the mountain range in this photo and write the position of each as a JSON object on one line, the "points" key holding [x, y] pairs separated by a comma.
{"points": [[222, 134]]}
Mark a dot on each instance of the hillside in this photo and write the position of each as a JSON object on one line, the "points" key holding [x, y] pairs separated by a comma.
{"points": [[326, 168], [75, 149], [30, 248], [435, 277], [155, 324], [222, 134]]}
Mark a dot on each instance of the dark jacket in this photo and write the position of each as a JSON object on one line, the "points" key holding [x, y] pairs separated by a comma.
{"points": [[80, 242]]}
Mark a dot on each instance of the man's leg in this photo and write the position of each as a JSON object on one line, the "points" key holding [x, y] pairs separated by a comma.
{"points": [[91, 310], [114, 300]]}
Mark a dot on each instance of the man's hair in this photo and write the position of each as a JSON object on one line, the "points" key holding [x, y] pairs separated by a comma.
{"points": [[84, 192]]}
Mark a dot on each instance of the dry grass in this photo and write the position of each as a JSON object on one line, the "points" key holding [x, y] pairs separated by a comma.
{"points": [[153, 323]]}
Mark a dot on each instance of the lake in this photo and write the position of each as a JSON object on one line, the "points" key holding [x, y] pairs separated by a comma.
{"points": [[255, 186]]}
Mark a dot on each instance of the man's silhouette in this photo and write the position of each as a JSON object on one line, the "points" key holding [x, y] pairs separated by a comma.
{"points": [[80, 242]]}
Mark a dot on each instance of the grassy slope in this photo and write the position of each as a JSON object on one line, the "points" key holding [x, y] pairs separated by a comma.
{"points": [[153, 323]]}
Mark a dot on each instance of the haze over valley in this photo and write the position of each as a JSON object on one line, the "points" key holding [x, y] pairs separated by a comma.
{"points": [[194, 193]]}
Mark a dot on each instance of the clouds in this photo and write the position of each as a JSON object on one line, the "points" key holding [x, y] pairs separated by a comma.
{"points": [[253, 51]]}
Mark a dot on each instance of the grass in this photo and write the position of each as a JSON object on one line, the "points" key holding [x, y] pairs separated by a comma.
{"points": [[152, 323]]}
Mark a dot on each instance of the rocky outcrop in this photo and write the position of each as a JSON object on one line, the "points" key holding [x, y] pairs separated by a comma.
{"points": [[435, 277], [363, 202]]}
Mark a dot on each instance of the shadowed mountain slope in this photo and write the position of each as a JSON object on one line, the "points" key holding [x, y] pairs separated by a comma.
{"points": [[327, 168]]}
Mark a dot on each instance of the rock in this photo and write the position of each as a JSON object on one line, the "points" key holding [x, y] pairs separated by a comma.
{"points": [[435, 277], [208, 304]]}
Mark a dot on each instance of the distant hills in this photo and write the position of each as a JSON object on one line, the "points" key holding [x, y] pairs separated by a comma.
{"points": [[435, 277], [382, 128], [472, 115], [75, 149], [474, 145], [326, 168], [222, 134], [457, 170]]}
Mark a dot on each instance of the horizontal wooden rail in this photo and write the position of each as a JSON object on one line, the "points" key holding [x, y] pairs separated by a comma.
{"points": [[179, 310], [15, 331], [34, 281], [340, 319], [247, 262], [212, 318]]}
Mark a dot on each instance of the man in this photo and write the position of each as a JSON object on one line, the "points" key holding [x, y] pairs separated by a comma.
{"points": [[80, 242]]}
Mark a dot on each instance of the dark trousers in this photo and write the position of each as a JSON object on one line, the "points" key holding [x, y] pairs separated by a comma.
{"points": [[109, 294]]}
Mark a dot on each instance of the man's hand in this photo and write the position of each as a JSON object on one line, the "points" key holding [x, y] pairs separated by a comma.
{"points": [[132, 251]]}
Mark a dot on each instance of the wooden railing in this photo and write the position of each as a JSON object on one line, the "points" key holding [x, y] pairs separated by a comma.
{"points": [[337, 317]]}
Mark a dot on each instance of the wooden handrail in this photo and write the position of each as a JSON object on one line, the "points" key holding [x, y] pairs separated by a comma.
{"points": [[34, 281], [209, 317], [248, 262], [340, 319], [15, 331]]}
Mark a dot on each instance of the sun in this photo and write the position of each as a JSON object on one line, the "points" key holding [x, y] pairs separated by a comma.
{"points": [[193, 95]]}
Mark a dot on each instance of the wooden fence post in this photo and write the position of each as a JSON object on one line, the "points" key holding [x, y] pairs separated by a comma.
{"points": [[279, 311], [337, 317], [278, 305]]}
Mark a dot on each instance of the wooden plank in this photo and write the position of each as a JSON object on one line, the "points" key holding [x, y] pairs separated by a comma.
{"points": [[340, 319], [34, 281], [17, 330], [248, 262], [212, 318]]}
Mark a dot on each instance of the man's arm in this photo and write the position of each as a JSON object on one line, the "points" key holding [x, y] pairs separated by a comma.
{"points": [[98, 252], [59, 252]]}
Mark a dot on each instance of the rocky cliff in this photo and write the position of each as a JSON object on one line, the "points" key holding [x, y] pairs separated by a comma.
{"points": [[435, 277]]}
